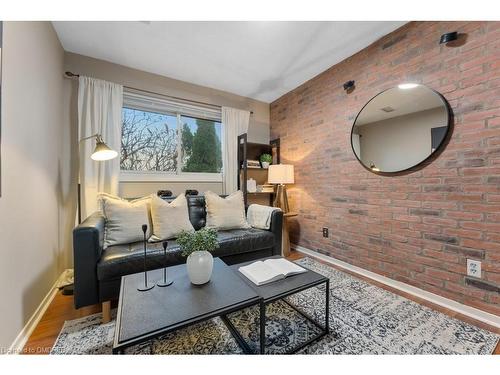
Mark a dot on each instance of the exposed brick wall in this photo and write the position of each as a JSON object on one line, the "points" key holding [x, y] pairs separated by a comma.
{"points": [[420, 227]]}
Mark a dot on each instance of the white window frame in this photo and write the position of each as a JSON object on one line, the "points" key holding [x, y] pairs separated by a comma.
{"points": [[178, 108]]}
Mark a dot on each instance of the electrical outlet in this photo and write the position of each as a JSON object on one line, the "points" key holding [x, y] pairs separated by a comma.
{"points": [[473, 268], [325, 232]]}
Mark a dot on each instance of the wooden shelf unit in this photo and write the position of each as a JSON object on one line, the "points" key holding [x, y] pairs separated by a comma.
{"points": [[252, 151]]}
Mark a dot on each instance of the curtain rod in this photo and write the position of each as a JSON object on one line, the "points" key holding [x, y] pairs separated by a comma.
{"points": [[71, 75]]}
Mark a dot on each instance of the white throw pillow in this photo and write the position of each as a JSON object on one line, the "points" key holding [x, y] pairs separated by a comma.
{"points": [[169, 219], [225, 213], [124, 219]]}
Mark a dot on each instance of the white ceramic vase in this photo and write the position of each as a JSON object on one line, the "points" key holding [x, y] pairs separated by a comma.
{"points": [[265, 164], [199, 267]]}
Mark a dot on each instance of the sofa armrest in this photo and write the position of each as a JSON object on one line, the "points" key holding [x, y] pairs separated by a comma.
{"points": [[277, 228], [88, 238]]}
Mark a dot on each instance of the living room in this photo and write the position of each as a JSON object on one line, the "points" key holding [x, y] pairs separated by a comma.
{"points": [[239, 185]]}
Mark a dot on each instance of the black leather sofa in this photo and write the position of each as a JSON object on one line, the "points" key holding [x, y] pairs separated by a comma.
{"points": [[98, 272]]}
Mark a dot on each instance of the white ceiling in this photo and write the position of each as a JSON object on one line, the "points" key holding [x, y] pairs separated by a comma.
{"points": [[261, 60]]}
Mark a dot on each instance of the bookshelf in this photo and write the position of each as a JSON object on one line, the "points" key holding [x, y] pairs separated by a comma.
{"points": [[252, 151]]}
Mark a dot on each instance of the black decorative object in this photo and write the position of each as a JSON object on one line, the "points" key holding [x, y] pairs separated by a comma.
{"points": [[191, 192], [164, 193], [448, 37], [164, 281], [349, 86], [146, 285]]}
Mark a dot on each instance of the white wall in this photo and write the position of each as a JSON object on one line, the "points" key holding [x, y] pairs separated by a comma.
{"points": [[401, 142], [36, 196], [259, 122]]}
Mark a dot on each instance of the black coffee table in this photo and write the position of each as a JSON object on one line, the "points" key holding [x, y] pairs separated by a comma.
{"points": [[143, 316], [278, 290]]}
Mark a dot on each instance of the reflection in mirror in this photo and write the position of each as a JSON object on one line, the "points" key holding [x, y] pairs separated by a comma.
{"points": [[400, 128]]}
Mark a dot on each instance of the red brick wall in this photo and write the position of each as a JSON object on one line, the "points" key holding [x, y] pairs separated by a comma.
{"points": [[420, 227]]}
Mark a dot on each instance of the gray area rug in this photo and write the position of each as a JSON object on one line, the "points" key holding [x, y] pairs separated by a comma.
{"points": [[364, 319]]}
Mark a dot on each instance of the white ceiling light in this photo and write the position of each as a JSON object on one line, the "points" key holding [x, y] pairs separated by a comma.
{"points": [[407, 86]]}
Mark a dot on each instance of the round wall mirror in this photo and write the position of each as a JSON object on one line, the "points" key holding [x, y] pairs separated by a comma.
{"points": [[400, 128]]}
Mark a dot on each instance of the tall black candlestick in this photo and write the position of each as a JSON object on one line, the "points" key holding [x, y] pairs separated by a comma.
{"points": [[164, 282], [146, 285]]}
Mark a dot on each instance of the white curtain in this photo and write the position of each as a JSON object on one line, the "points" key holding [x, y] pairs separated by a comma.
{"points": [[234, 123], [99, 112]]}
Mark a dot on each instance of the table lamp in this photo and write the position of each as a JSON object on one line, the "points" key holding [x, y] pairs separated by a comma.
{"points": [[281, 174]]}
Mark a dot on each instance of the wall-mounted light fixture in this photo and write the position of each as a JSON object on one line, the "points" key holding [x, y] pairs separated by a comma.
{"points": [[448, 37], [349, 86]]}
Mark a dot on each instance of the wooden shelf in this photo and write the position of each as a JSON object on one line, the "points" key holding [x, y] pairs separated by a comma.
{"points": [[253, 151]]}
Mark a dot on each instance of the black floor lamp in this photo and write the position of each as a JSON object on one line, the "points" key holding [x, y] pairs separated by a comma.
{"points": [[102, 152]]}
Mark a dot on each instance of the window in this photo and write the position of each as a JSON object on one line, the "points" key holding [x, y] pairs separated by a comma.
{"points": [[173, 140]]}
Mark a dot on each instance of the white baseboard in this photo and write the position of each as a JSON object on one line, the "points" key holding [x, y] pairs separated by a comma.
{"points": [[469, 311], [23, 336]]}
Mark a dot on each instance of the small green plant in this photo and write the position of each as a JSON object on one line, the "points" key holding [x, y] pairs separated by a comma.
{"points": [[266, 158], [202, 240]]}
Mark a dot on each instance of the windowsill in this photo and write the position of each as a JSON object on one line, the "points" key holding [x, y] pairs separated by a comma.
{"points": [[131, 176]]}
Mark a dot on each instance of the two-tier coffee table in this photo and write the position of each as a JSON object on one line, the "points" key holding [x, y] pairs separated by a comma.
{"points": [[279, 290], [143, 316]]}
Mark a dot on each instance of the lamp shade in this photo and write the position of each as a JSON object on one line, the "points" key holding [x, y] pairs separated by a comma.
{"points": [[280, 174], [102, 151]]}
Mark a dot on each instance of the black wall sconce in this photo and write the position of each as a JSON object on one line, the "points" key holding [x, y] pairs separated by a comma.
{"points": [[349, 86], [448, 37]]}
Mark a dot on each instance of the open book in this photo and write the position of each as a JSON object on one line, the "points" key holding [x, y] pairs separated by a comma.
{"points": [[263, 272]]}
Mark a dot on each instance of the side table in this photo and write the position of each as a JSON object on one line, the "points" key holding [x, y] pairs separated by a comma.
{"points": [[285, 241]]}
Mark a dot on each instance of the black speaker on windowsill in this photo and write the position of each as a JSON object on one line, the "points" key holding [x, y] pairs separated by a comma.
{"points": [[164, 193]]}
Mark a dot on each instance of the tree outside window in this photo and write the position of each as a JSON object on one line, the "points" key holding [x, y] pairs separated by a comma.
{"points": [[201, 150], [150, 143]]}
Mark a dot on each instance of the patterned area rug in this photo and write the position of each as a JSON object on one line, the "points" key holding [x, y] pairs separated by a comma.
{"points": [[364, 319]]}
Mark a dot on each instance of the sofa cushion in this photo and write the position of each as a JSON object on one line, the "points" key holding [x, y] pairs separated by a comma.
{"points": [[120, 260], [238, 241], [124, 219], [169, 219], [226, 213], [196, 209]]}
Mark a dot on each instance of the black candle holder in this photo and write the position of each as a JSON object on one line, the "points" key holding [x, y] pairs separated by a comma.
{"points": [[165, 281], [146, 286]]}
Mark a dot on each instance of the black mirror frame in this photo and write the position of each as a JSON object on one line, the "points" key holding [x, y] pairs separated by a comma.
{"points": [[427, 160]]}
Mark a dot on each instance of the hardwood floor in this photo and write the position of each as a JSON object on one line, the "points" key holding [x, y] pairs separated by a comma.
{"points": [[47, 330], [61, 309]]}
